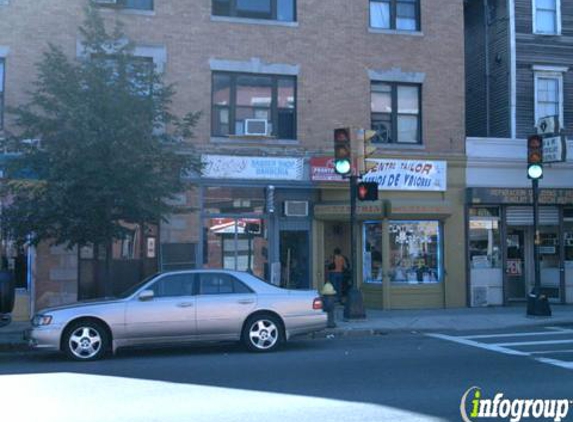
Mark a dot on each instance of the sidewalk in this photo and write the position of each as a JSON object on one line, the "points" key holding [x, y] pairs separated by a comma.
{"points": [[460, 319], [382, 322]]}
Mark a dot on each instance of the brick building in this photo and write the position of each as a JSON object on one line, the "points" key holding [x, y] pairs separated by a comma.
{"points": [[273, 79]]}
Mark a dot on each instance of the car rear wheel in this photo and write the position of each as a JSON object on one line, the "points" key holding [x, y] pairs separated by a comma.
{"points": [[262, 333], [86, 340]]}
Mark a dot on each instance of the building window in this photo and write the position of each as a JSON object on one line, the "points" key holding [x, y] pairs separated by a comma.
{"points": [[2, 64], [485, 238], [128, 4], [415, 252], [238, 97], [402, 15], [396, 113], [549, 95], [279, 10], [372, 253], [547, 17]]}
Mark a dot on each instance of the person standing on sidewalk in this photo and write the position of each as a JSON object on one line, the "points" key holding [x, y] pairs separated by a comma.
{"points": [[336, 273]]}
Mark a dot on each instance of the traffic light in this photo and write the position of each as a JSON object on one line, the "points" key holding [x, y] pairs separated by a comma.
{"points": [[534, 157], [367, 191], [342, 149]]}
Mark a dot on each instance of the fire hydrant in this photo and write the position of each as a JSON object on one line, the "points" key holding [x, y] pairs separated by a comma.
{"points": [[328, 300]]}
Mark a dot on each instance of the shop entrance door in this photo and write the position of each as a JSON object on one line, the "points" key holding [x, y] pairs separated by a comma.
{"points": [[295, 259], [519, 259]]}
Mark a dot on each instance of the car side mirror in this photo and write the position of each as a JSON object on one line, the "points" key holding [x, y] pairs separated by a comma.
{"points": [[146, 295]]}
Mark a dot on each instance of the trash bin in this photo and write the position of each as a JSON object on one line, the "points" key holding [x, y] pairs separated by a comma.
{"points": [[538, 305]]}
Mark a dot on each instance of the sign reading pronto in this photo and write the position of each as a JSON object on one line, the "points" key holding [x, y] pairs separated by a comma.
{"points": [[256, 168], [322, 170], [408, 175]]}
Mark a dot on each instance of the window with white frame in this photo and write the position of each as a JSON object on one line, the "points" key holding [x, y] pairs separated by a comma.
{"points": [[547, 17], [548, 95]]}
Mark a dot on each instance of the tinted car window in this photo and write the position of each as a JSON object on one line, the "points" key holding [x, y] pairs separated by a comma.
{"points": [[214, 284], [174, 285]]}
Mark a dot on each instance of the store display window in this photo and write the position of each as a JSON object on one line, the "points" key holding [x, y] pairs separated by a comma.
{"points": [[415, 252], [485, 238]]}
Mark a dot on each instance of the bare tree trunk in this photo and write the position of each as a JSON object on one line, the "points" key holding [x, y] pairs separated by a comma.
{"points": [[108, 272], [142, 249], [95, 271]]}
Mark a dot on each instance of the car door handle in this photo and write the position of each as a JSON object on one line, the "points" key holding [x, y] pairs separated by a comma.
{"points": [[246, 301], [185, 304]]}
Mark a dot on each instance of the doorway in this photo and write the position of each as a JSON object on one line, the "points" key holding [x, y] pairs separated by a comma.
{"points": [[295, 259], [519, 257]]}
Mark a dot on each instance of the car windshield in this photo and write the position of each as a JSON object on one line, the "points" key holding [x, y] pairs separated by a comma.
{"points": [[136, 287]]}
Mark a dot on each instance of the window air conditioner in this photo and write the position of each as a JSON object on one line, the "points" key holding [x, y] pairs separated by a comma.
{"points": [[105, 1], [296, 208], [256, 127]]}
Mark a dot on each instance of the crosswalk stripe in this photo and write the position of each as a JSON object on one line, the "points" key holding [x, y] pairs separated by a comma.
{"points": [[490, 347], [551, 352], [536, 333], [533, 343], [555, 362], [507, 347]]}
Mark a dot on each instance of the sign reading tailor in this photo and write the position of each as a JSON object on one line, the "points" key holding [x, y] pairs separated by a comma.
{"points": [[257, 168], [410, 175]]}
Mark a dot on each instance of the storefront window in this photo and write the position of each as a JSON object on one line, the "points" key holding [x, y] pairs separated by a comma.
{"points": [[415, 252], [236, 244], [372, 252], [568, 239], [220, 200], [485, 250]]}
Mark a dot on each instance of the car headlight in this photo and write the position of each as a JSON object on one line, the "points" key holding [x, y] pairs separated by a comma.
{"points": [[39, 320]]}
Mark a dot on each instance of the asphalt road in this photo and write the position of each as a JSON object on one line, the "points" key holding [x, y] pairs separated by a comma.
{"points": [[395, 377]]}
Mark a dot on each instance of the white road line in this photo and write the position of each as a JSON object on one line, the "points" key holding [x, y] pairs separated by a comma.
{"points": [[536, 333], [533, 343], [551, 352], [559, 329], [490, 347], [555, 362]]}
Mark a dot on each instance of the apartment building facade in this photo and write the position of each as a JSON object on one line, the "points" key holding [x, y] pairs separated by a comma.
{"points": [[518, 70], [273, 79]]}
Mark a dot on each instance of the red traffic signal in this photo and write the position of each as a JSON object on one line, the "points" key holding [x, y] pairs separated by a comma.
{"points": [[367, 191]]}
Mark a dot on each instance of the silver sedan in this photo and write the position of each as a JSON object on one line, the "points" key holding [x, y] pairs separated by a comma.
{"points": [[182, 306]]}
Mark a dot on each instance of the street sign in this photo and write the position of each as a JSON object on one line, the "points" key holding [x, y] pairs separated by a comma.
{"points": [[554, 149], [548, 125]]}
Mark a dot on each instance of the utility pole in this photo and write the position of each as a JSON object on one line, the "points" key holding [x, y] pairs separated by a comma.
{"points": [[354, 306]]}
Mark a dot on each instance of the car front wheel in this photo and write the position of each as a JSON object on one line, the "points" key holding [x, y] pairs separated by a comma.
{"points": [[262, 333], [86, 340]]}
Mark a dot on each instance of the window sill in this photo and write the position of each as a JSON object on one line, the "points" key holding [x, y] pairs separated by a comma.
{"points": [[548, 34], [252, 140], [250, 21], [124, 11], [395, 32], [400, 146]]}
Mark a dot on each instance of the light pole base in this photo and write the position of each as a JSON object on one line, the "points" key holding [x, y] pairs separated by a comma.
{"points": [[354, 306], [538, 305]]}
